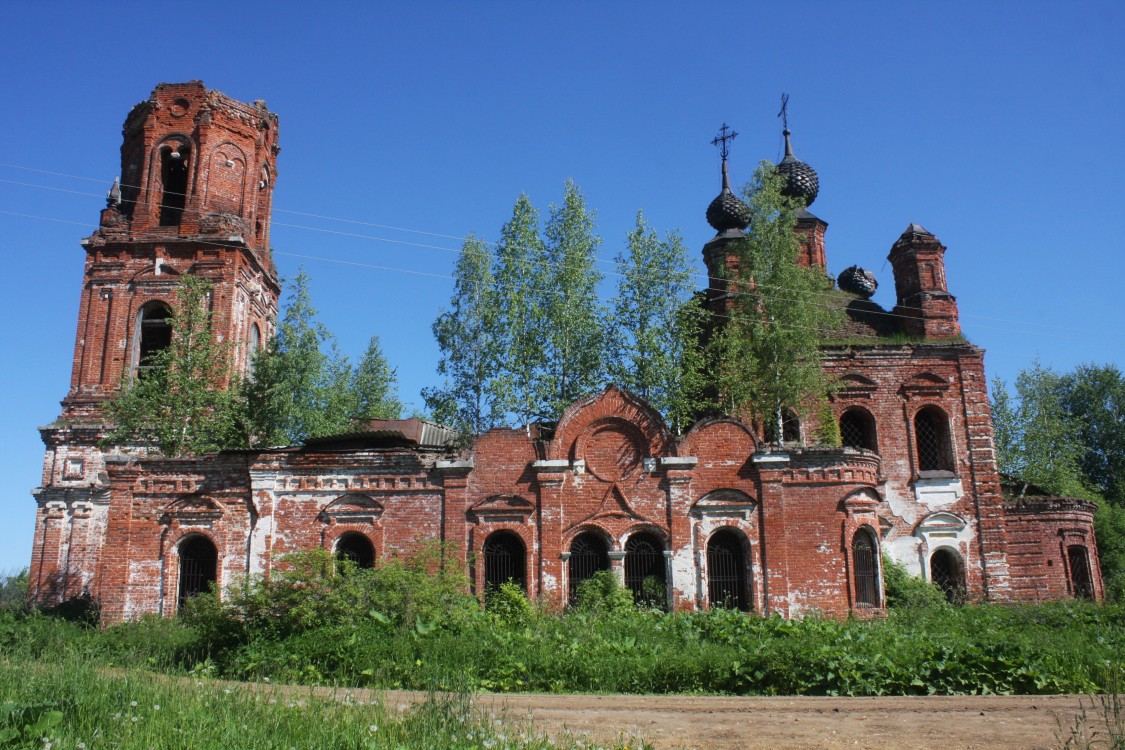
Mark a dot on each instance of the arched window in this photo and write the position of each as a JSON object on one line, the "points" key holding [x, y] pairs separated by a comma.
{"points": [[154, 334], [198, 566], [931, 438], [1081, 584], [790, 427], [726, 571], [865, 560], [505, 560], [173, 183], [644, 570], [857, 429], [357, 548], [588, 555], [947, 571]]}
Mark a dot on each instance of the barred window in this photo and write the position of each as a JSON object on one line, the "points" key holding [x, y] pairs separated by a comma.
{"points": [[931, 437], [504, 561], [644, 570], [857, 429], [865, 561], [198, 566], [357, 548], [588, 555], [790, 426], [726, 571]]}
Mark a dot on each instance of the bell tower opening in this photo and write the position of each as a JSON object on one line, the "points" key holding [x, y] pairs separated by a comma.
{"points": [[174, 184]]}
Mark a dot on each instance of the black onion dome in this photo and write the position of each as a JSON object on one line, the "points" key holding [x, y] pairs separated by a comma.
{"points": [[857, 280], [727, 211], [800, 179]]}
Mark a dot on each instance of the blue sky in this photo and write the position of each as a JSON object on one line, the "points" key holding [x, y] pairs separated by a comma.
{"points": [[997, 126]]}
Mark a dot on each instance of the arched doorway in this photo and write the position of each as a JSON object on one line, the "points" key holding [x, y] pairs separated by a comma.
{"points": [[645, 570], [357, 548], [726, 571], [154, 335], [588, 555], [857, 429], [948, 573], [198, 567], [504, 561]]}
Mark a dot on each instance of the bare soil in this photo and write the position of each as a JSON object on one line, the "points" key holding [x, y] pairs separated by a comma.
{"points": [[728, 723]]}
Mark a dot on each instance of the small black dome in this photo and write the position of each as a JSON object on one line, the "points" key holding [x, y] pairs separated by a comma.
{"points": [[801, 181], [728, 212], [856, 280]]}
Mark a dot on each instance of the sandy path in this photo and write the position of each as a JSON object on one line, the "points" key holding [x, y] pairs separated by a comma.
{"points": [[726, 723]]}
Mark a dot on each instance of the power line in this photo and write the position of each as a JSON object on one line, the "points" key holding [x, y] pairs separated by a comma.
{"points": [[828, 304]]}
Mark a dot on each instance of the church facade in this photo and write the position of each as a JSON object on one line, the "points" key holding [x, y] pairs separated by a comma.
{"points": [[710, 518]]}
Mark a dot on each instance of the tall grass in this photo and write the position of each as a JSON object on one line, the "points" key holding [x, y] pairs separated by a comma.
{"points": [[76, 707]]}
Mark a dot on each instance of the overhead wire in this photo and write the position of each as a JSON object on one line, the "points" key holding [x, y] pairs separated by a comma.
{"points": [[827, 304]]}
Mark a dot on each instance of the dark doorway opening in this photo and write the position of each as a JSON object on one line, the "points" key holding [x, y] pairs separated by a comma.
{"points": [[198, 566], [504, 561], [947, 572], [357, 548], [588, 555]]}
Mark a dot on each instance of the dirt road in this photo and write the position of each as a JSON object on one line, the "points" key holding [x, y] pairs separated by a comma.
{"points": [[675, 722]]}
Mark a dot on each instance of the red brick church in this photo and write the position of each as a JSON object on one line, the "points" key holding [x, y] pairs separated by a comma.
{"points": [[707, 519]]}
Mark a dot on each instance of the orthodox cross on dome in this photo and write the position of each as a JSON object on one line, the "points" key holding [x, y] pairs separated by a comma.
{"points": [[723, 139], [784, 113]]}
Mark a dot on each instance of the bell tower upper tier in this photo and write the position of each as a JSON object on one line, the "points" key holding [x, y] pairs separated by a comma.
{"points": [[195, 162], [194, 197]]}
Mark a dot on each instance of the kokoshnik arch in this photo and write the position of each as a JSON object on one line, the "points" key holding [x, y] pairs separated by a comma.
{"points": [[708, 519]]}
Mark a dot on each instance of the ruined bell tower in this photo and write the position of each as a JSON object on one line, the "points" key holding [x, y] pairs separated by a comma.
{"points": [[194, 197]]}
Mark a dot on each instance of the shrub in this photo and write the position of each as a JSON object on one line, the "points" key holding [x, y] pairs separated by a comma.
{"points": [[602, 593], [905, 590]]}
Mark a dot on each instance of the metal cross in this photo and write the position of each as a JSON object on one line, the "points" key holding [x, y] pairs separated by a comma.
{"points": [[723, 139], [784, 113]]}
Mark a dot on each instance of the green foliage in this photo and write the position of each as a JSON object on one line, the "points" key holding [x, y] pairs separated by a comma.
{"points": [[766, 354], [469, 339], [656, 325], [509, 605], [304, 387], [905, 590], [13, 592], [1037, 440], [574, 362], [1094, 395], [1109, 527], [603, 593], [520, 282], [827, 429], [300, 386], [373, 387], [178, 404], [25, 725]]}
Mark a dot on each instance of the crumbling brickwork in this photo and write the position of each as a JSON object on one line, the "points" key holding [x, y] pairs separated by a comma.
{"points": [[709, 518]]}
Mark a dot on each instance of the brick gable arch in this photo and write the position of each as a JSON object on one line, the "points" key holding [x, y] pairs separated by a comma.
{"points": [[616, 406], [353, 513]]}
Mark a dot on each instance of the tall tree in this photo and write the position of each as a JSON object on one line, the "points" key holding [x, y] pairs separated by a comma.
{"points": [[301, 384], [656, 325], [179, 403], [469, 340], [373, 386], [574, 362], [766, 354], [519, 282], [1094, 395], [1037, 440]]}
